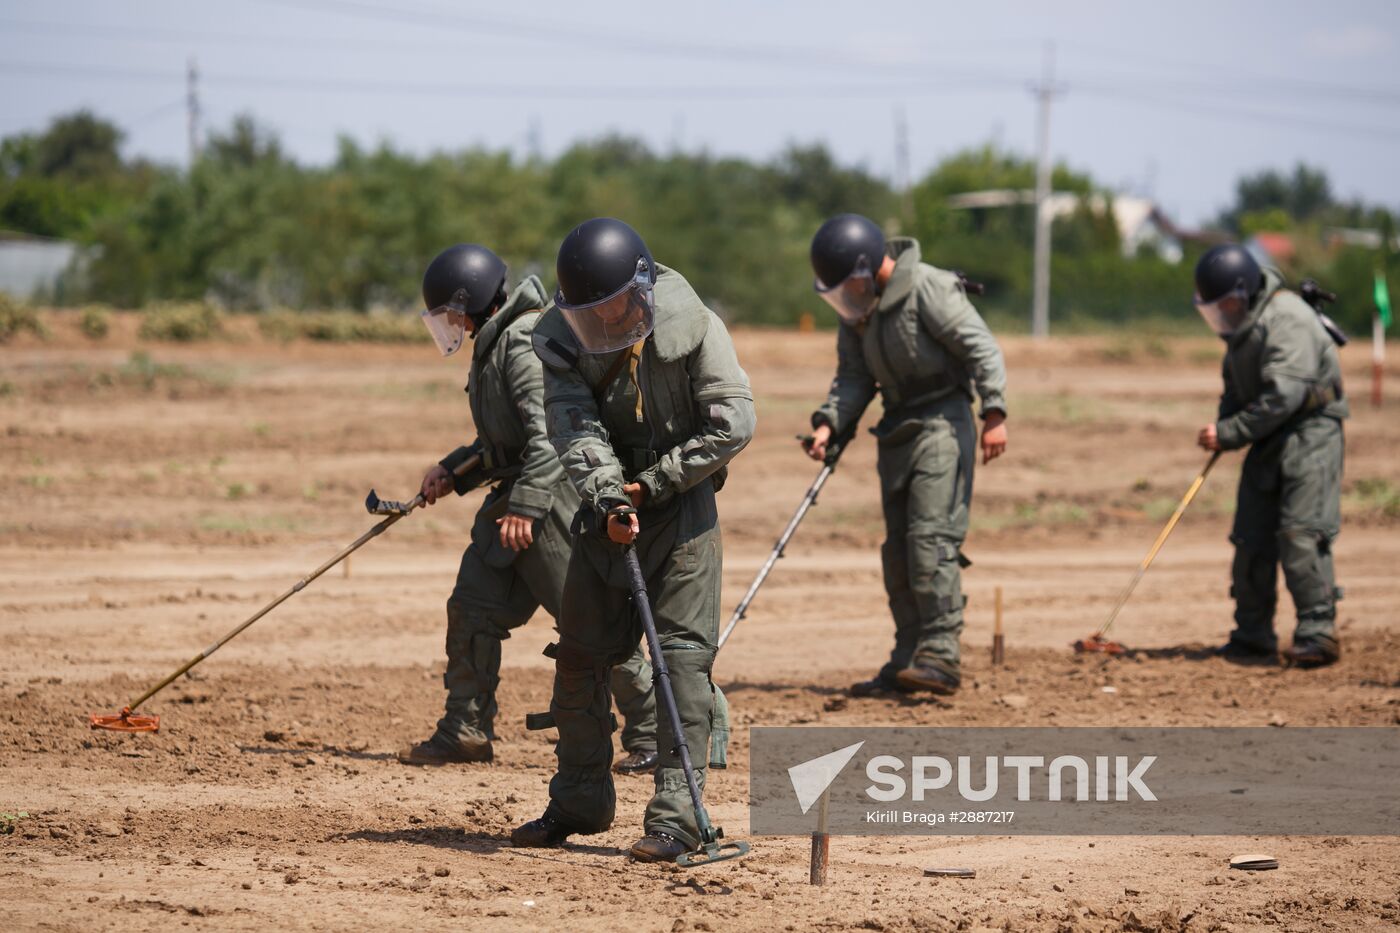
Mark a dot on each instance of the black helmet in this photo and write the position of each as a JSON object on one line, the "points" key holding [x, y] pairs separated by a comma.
{"points": [[839, 246], [597, 259], [606, 278], [464, 283], [1227, 268], [469, 277]]}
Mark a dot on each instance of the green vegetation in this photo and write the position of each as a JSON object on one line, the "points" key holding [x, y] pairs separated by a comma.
{"points": [[249, 228], [95, 321], [1055, 513], [16, 317], [141, 371], [180, 322], [245, 524], [1374, 496], [1061, 408], [8, 821], [343, 327]]}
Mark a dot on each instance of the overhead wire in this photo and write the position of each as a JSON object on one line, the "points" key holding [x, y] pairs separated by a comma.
{"points": [[806, 90]]}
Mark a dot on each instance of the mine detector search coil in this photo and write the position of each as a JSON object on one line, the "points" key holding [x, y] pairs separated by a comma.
{"points": [[711, 849], [129, 721], [834, 450]]}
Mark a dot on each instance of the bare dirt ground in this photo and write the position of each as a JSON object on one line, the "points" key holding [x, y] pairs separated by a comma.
{"points": [[154, 496]]}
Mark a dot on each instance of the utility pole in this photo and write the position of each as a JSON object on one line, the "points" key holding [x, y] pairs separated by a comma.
{"points": [[1040, 292], [534, 140], [901, 168], [192, 109]]}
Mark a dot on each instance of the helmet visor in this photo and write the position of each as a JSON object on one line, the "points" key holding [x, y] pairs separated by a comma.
{"points": [[854, 297], [619, 320], [1225, 314], [448, 326]]}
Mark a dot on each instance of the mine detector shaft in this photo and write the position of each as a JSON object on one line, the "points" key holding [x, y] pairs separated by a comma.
{"points": [[833, 454], [128, 720]]}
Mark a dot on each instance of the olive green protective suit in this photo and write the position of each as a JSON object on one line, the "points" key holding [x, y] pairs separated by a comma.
{"points": [[499, 589], [669, 419], [923, 349], [1283, 399]]}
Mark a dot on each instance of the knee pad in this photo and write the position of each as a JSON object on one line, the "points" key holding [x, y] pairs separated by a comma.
{"points": [[570, 658]]}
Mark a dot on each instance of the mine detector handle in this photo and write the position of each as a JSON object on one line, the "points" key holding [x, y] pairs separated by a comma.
{"points": [[969, 286], [464, 467], [834, 449], [1314, 294], [1318, 298]]}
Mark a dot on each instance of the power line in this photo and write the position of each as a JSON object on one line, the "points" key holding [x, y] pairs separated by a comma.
{"points": [[786, 54], [568, 92], [1275, 117], [1215, 84], [161, 34], [498, 90], [808, 57]]}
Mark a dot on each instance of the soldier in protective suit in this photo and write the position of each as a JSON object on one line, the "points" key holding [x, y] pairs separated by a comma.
{"points": [[1283, 399], [646, 404], [519, 548], [909, 333]]}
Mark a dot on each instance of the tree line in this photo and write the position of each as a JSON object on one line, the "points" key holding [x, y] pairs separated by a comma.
{"points": [[247, 227]]}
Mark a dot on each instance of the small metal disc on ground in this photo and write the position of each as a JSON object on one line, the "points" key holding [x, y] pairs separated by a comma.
{"points": [[951, 872], [1254, 862]]}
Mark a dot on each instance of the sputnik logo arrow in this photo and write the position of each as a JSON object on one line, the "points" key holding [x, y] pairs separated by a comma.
{"points": [[811, 778]]}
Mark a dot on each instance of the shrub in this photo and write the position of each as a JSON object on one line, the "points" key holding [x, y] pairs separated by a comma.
{"points": [[15, 317], [180, 323], [343, 327], [95, 321]]}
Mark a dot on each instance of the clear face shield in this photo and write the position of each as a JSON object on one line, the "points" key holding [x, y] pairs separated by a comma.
{"points": [[1225, 314], [619, 320], [854, 297], [449, 324]]}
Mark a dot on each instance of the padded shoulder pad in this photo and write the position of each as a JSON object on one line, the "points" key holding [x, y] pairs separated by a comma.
{"points": [[941, 279], [553, 341], [682, 320]]}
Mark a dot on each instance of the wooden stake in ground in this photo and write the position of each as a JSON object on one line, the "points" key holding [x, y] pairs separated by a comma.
{"points": [[1377, 359], [998, 641], [347, 568], [821, 845]]}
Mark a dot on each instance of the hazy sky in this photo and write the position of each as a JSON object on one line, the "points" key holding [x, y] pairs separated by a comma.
{"points": [[1175, 98]]}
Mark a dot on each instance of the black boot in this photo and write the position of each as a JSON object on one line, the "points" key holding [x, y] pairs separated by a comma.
{"points": [[638, 762], [543, 833], [439, 750], [1315, 651], [878, 685], [658, 847], [932, 674], [1239, 652]]}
